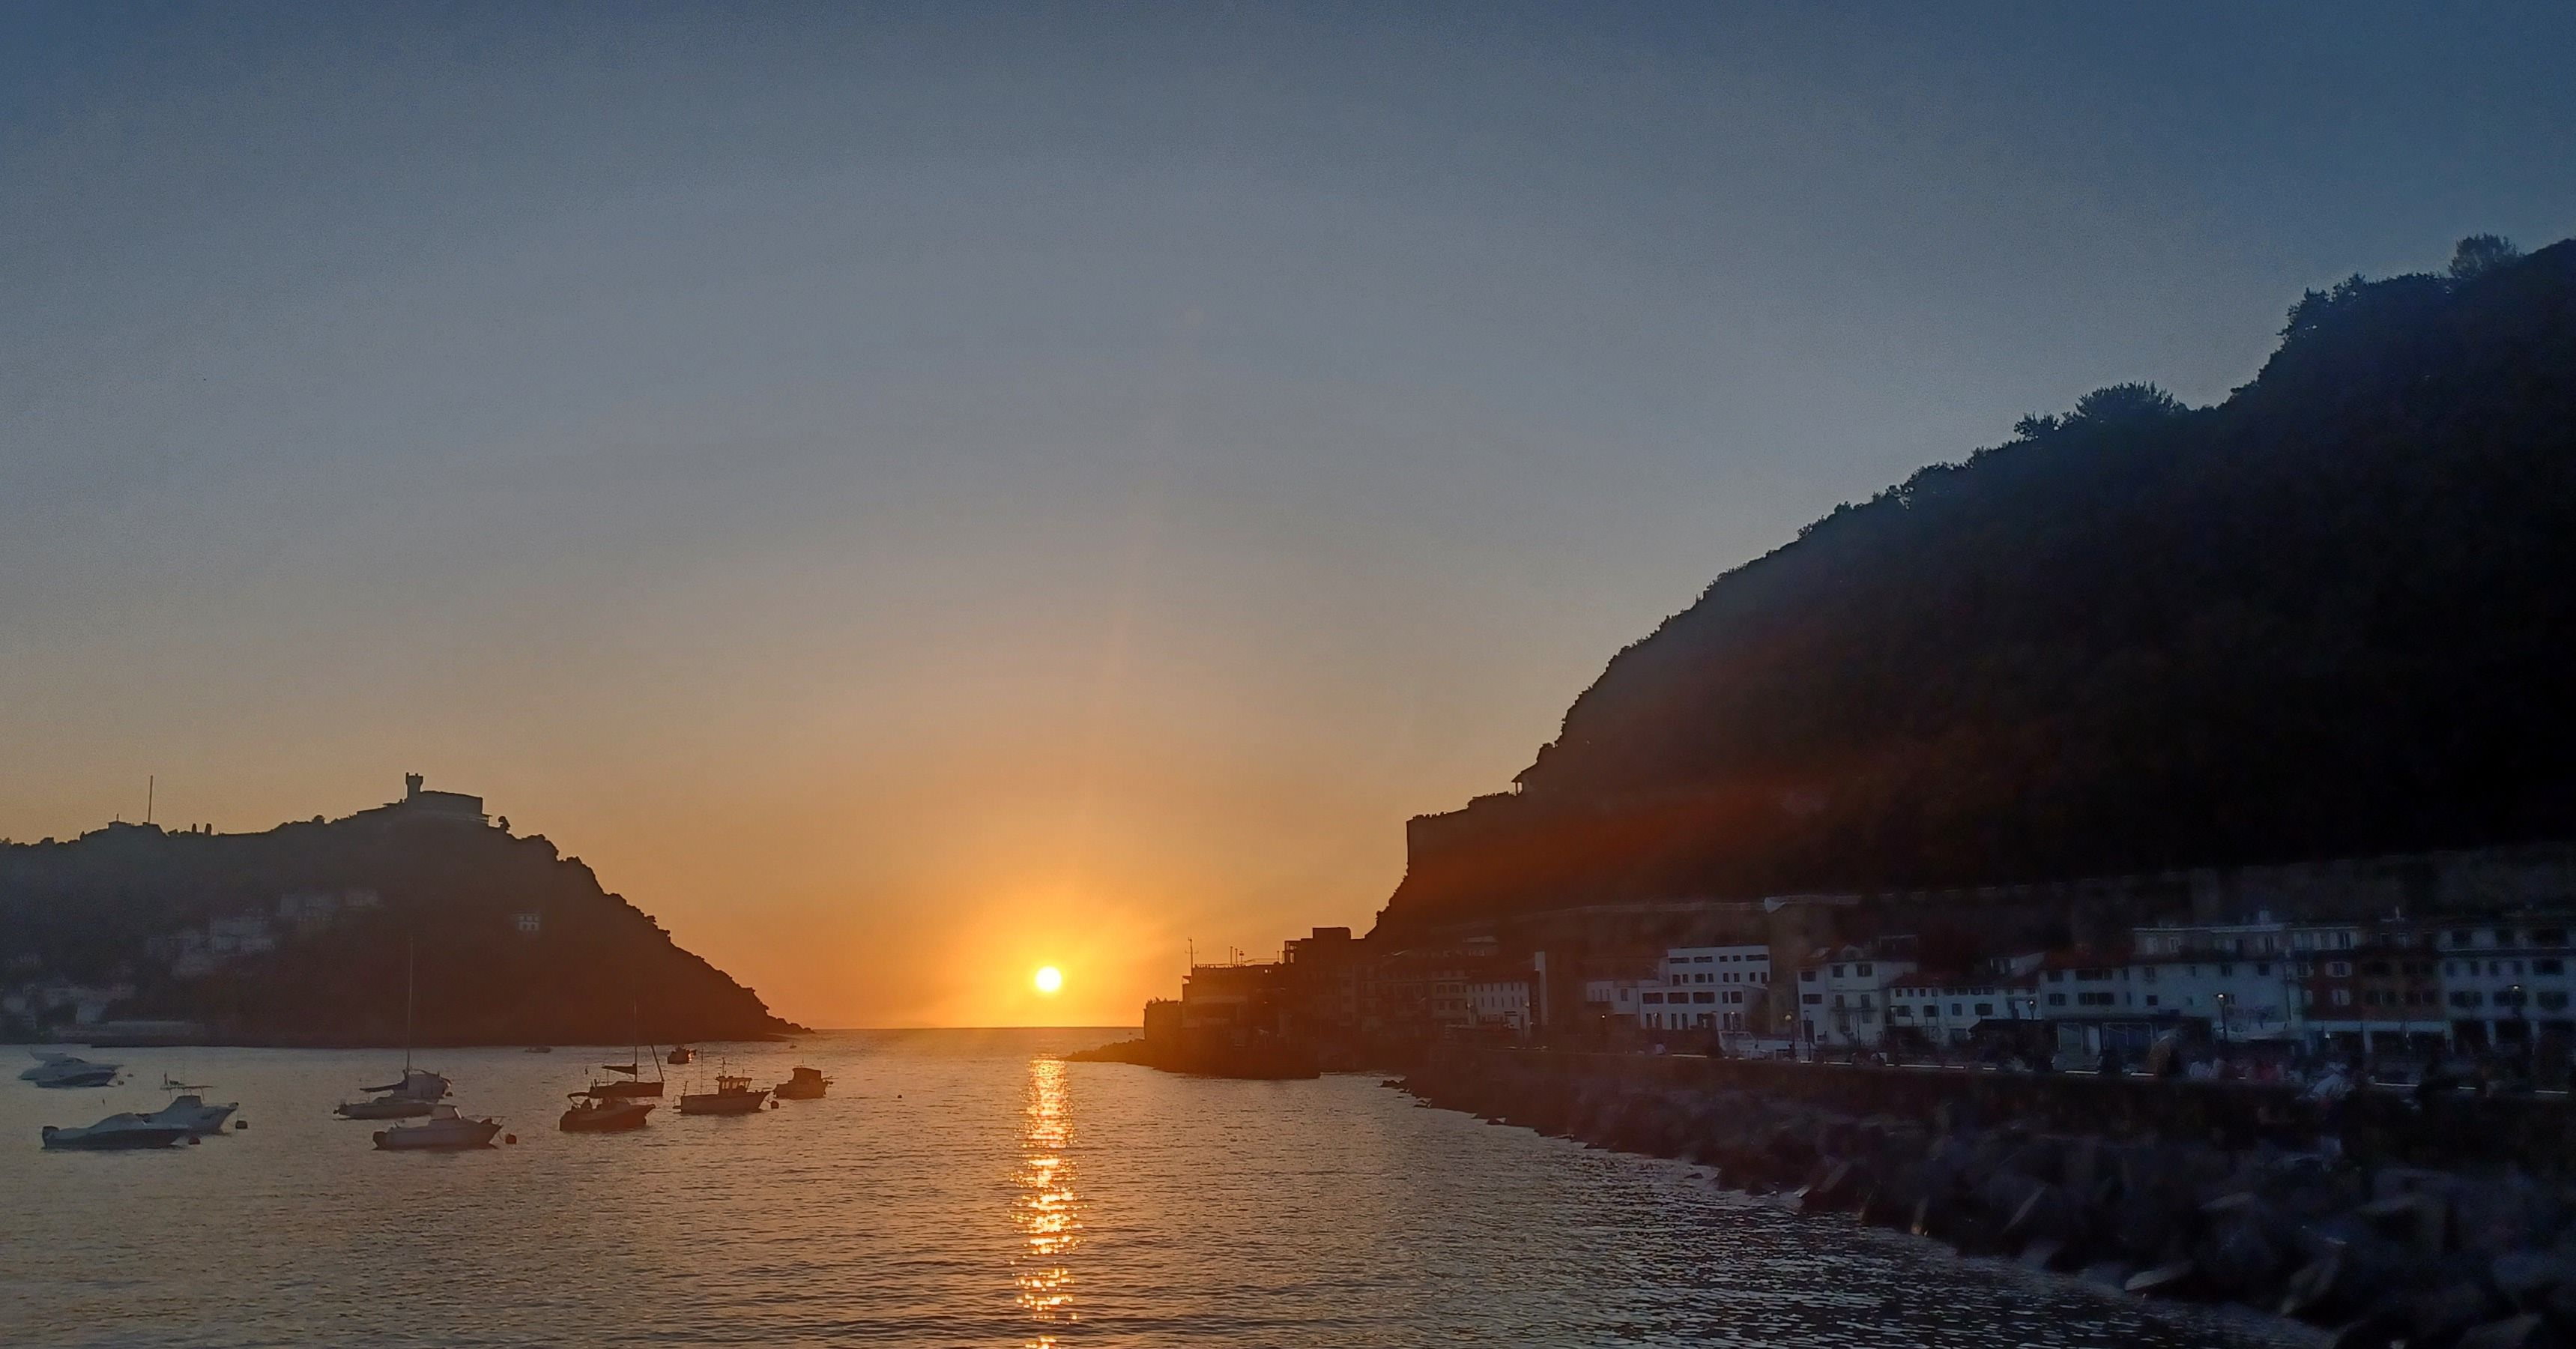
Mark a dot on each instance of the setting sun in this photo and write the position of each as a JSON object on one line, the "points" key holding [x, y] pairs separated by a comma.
{"points": [[1050, 979]]}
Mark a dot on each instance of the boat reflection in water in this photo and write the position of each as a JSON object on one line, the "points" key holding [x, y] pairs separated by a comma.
{"points": [[1048, 1211]]}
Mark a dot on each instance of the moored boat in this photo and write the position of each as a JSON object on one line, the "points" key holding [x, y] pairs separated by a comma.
{"points": [[591, 1115], [732, 1096], [62, 1071], [804, 1084], [417, 1092], [117, 1132], [680, 1054], [443, 1131], [415, 1095], [194, 1115], [629, 1082]]}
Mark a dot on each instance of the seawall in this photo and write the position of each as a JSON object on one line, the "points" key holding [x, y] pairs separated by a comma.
{"points": [[2445, 1223]]}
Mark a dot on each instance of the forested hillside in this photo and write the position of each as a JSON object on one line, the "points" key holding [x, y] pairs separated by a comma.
{"points": [[2334, 614]]}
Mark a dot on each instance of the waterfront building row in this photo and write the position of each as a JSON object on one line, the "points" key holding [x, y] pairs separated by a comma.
{"points": [[2397, 984]]}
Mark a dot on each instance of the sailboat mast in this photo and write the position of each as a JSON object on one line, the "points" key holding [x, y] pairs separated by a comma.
{"points": [[411, 979]]}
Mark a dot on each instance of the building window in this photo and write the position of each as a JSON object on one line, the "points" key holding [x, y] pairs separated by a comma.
{"points": [[2147, 975], [1862, 970], [2549, 967], [2342, 997], [2056, 999], [2553, 1001], [2465, 999], [1985, 1009], [2151, 1000], [2226, 970], [1813, 999], [2339, 969]]}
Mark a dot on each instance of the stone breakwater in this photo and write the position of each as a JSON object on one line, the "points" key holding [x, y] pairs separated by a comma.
{"points": [[2202, 1191]]}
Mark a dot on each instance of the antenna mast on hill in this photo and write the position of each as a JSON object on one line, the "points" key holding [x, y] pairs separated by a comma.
{"points": [[150, 781]]}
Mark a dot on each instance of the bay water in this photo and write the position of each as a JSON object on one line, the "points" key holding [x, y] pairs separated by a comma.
{"points": [[955, 1188]]}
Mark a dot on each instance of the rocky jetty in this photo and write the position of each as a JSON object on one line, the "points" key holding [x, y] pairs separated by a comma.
{"points": [[2383, 1253]]}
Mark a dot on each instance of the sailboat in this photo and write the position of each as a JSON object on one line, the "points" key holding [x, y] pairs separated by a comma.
{"points": [[630, 1083], [418, 1090], [616, 1105]]}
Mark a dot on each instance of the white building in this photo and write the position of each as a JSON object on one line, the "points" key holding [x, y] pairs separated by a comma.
{"points": [[1947, 1009], [1708, 988], [1500, 1003], [2505, 981], [2244, 979], [1842, 996], [1617, 998], [245, 935]]}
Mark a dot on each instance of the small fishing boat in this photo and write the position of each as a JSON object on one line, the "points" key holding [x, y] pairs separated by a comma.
{"points": [[538, 1049], [590, 1115], [117, 1132], [193, 1114], [804, 1084], [732, 1096], [681, 1054], [443, 1131]]}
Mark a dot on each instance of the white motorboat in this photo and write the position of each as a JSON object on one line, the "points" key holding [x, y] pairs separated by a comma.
{"points": [[193, 1114], [443, 1131], [45, 1058], [127, 1130], [61, 1071]]}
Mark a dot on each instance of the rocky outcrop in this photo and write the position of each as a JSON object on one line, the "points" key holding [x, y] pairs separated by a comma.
{"points": [[2283, 1218]]}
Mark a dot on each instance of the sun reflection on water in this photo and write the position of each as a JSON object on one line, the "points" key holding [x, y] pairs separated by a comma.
{"points": [[1047, 1210]]}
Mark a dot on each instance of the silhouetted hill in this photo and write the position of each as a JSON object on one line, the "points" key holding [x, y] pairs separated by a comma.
{"points": [[2334, 614], [342, 902]]}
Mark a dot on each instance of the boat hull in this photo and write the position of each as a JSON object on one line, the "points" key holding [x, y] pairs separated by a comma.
{"points": [[464, 1136], [95, 1139], [724, 1103], [606, 1119], [789, 1091]]}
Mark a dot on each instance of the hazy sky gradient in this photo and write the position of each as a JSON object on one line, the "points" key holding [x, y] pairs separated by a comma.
{"points": [[914, 493]]}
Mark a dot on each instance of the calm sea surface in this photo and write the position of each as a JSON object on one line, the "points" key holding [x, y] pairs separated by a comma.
{"points": [[957, 1187]]}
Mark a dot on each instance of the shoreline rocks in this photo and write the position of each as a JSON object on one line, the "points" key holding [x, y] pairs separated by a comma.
{"points": [[2381, 1253]]}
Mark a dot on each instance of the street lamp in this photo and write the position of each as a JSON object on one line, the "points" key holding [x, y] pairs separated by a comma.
{"points": [[2222, 1018]]}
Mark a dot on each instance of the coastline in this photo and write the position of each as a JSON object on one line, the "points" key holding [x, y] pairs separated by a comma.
{"points": [[2326, 1218]]}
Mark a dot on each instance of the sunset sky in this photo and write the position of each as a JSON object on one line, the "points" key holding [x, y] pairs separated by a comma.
{"points": [[913, 495]]}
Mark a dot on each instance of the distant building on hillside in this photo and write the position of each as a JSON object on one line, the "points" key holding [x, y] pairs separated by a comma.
{"points": [[441, 807]]}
